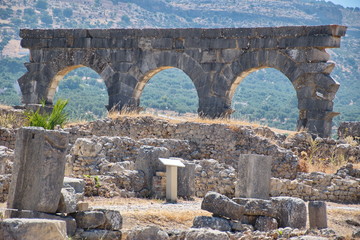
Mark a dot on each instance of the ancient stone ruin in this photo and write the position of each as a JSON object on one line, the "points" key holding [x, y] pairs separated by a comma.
{"points": [[216, 60]]}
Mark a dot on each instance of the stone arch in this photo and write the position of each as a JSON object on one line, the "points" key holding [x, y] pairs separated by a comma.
{"points": [[275, 103], [167, 60], [259, 60], [51, 73]]}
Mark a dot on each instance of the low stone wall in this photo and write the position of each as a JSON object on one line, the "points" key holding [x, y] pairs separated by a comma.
{"points": [[100, 155], [326, 150], [338, 187]]}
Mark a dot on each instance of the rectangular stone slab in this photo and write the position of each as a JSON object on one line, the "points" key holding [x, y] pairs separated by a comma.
{"points": [[38, 171], [254, 173]]}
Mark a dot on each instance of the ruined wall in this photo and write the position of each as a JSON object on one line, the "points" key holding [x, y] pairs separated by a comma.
{"points": [[206, 141], [339, 187]]}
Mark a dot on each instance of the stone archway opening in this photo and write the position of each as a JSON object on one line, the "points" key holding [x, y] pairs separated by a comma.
{"points": [[168, 91], [266, 96], [85, 90]]}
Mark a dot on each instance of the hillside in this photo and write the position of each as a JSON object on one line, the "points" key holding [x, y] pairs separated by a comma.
{"points": [[257, 98]]}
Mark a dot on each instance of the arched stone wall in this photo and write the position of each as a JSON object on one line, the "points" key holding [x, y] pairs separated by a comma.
{"points": [[216, 60]]}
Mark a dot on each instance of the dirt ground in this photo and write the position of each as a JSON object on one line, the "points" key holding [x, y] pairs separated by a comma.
{"points": [[142, 212]]}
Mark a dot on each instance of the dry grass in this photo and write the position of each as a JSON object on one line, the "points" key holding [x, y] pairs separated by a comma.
{"points": [[5, 107], [143, 212], [196, 119], [337, 216]]}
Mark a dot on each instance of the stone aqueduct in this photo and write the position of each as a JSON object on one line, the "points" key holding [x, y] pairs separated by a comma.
{"points": [[216, 60]]}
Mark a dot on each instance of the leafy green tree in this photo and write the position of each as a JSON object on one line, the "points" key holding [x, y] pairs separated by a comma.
{"points": [[41, 4], [6, 13], [46, 19], [57, 12], [68, 12]]}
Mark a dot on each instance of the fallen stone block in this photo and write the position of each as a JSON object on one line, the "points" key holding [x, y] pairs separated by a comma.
{"points": [[291, 212], [70, 221], [30, 229], [266, 224], [77, 183], [202, 233], [67, 203], [221, 205], [215, 223], [113, 219], [145, 233], [96, 234], [256, 207], [238, 226], [89, 219], [82, 206]]}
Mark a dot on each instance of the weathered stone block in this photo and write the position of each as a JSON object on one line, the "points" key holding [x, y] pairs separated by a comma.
{"points": [[67, 203], [256, 207], [144, 233], [89, 219], [82, 206], [186, 180], [29, 229], [317, 214], [221, 205], [39, 168], [215, 223], [70, 221], [291, 212], [77, 183], [254, 173], [202, 233], [266, 224], [96, 234], [238, 226], [148, 162], [113, 219]]}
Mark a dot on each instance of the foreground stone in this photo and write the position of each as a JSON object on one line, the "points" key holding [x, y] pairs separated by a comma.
{"points": [[291, 212], [67, 203], [256, 207], [221, 205], [215, 223], [96, 234], [30, 229], [266, 224], [147, 233], [70, 221], [90, 219], [113, 220], [205, 234], [38, 172]]}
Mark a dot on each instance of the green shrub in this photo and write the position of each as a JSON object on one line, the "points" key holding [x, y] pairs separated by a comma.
{"points": [[49, 121]]}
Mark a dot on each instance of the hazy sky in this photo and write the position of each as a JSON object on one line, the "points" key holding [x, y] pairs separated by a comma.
{"points": [[347, 3]]}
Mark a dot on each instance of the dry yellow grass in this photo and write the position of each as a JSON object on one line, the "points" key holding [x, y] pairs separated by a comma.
{"points": [[2, 106], [143, 212], [196, 119]]}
